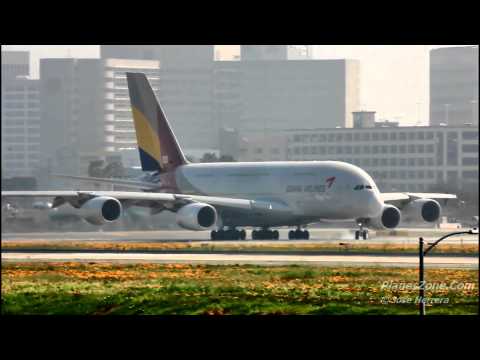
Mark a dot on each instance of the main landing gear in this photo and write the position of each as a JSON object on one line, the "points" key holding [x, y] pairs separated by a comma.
{"points": [[362, 233], [298, 234], [230, 234], [265, 234]]}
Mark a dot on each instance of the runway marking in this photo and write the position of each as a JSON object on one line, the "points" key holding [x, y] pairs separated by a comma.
{"points": [[325, 260]]}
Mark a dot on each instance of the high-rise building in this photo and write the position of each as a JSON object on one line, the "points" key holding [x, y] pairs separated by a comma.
{"points": [[264, 52], [414, 158], [454, 85], [259, 96], [185, 87], [15, 63], [20, 116], [86, 112]]}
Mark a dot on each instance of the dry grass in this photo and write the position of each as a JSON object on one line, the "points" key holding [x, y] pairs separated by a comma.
{"points": [[202, 246]]}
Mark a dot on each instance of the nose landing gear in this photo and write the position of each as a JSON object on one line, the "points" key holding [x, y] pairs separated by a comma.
{"points": [[362, 233]]}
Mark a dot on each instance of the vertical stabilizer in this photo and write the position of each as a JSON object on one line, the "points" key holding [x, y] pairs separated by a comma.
{"points": [[158, 147]]}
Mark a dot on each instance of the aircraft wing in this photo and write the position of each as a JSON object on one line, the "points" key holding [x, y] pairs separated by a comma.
{"points": [[401, 199], [127, 183], [152, 200]]}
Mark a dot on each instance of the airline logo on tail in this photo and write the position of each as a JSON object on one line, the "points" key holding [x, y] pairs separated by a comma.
{"points": [[157, 145]]}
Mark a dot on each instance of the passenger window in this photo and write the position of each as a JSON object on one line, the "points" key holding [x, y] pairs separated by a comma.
{"points": [[358, 187], [368, 187]]}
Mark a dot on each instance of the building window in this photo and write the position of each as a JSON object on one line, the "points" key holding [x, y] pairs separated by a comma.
{"points": [[366, 137], [421, 135], [429, 135], [384, 149], [402, 136], [348, 137], [393, 162], [402, 149], [366, 149], [411, 149], [375, 136], [402, 162], [470, 174], [430, 148], [393, 149], [393, 136], [470, 135], [411, 136], [384, 136], [470, 148], [366, 162], [411, 162], [421, 148], [430, 161], [375, 149], [384, 162], [470, 161], [356, 137], [421, 162]]}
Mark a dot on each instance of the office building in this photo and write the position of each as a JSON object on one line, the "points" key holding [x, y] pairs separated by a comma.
{"points": [[15, 63], [398, 158], [263, 96], [185, 88], [86, 112], [20, 116], [454, 86]]}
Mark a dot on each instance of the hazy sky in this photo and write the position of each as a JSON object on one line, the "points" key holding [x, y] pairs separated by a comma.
{"points": [[393, 78]]}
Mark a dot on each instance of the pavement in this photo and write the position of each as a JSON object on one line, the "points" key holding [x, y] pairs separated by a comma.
{"points": [[257, 259], [400, 236]]}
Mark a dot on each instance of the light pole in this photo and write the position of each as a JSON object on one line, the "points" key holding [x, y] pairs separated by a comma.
{"points": [[422, 253]]}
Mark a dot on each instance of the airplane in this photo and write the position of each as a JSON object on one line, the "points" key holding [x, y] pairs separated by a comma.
{"points": [[227, 197]]}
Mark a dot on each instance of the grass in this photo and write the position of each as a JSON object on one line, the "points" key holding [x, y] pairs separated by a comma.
{"points": [[116, 289], [350, 247]]}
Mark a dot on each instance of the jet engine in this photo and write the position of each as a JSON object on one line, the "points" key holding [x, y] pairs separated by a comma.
{"points": [[388, 219], [101, 210], [197, 216], [426, 209]]}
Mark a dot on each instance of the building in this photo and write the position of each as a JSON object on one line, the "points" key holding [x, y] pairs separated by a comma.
{"points": [[20, 117], [15, 63], [398, 158], [185, 88], [86, 112], [454, 86], [275, 52], [263, 52], [262, 96]]}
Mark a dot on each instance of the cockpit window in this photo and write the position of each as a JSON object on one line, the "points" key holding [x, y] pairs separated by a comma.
{"points": [[361, 187]]}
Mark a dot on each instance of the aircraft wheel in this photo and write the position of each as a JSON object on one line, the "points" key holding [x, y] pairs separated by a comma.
{"points": [[365, 234], [243, 234], [213, 235], [306, 235], [298, 234], [291, 235], [276, 235], [254, 234], [357, 235]]}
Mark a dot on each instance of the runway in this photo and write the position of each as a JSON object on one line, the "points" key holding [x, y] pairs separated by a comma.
{"points": [[400, 236], [256, 259]]}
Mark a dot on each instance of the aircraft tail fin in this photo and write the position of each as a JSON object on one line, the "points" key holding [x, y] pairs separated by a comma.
{"points": [[158, 147]]}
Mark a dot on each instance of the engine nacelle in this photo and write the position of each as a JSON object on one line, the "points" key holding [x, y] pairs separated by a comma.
{"points": [[422, 209], [101, 210], [389, 218], [197, 216]]}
